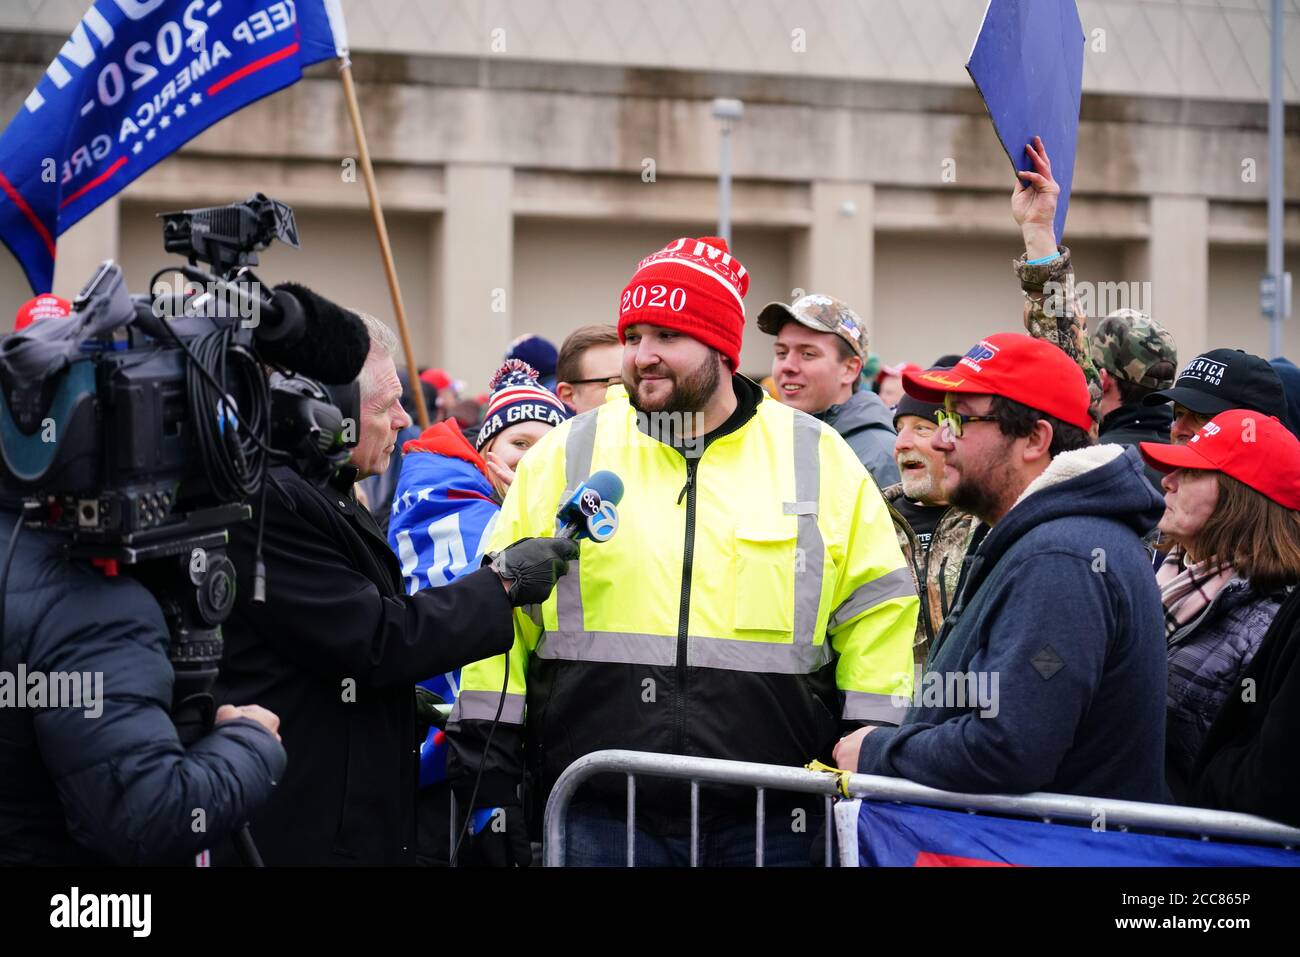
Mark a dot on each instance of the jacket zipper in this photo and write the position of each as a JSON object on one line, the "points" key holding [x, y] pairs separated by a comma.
{"points": [[923, 586], [943, 588], [970, 567], [684, 616]]}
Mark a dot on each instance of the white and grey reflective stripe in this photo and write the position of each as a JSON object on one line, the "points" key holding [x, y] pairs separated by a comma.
{"points": [[534, 612], [482, 706], [579, 448], [895, 584], [726, 654], [809, 561], [865, 706]]}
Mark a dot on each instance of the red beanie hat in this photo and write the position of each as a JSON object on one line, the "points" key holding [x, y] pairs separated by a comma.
{"points": [[693, 286]]}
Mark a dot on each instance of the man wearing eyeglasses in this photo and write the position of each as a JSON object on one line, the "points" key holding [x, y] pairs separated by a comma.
{"points": [[590, 361], [1049, 671], [933, 533]]}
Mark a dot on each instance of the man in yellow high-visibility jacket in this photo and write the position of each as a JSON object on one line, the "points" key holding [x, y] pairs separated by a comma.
{"points": [[752, 605]]}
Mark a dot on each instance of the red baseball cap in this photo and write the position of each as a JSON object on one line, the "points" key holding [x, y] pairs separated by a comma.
{"points": [[1015, 366], [437, 378], [1255, 449], [46, 306], [896, 370]]}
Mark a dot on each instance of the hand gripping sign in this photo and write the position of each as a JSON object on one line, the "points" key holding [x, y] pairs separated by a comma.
{"points": [[1027, 64]]}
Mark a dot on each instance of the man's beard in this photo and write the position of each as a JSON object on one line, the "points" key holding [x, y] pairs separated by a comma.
{"points": [[984, 496], [690, 393], [921, 486]]}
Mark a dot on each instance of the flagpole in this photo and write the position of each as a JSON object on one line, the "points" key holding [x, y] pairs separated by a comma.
{"points": [[381, 231]]}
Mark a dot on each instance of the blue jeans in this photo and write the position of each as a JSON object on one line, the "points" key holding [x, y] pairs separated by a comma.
{"points": [[597, 837]]}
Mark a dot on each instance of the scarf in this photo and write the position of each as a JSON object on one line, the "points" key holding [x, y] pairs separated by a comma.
{"points": [[1186, 589]]}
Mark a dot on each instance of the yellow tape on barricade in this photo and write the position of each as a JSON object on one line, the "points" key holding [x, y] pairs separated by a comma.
{"points": [[841, 776]]}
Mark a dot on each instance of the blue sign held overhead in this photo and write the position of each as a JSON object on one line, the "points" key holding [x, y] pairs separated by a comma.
{"points": [[1027, 64], [135, 81]]}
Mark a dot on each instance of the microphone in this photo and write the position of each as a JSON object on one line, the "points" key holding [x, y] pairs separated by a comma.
{"points": [[311, 335], [591, 512]]}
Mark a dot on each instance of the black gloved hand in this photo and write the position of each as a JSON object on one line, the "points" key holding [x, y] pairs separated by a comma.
{"points": [[426, 711], [501, 839], [532, 566]]}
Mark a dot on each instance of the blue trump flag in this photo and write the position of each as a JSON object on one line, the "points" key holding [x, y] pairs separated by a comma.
{"points": [[444, 511], [136, 80], [905, 835], [1027, 64]]}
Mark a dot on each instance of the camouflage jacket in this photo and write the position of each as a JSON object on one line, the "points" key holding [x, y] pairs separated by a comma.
{"points": [[935, 572], [1052, 313]]}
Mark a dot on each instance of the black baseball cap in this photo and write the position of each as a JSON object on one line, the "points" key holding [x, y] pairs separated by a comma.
{"points": [[1224, 379], [910, 405]]}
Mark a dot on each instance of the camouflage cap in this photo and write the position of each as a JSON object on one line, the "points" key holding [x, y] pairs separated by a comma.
{"points": [[1130, 345], [821, 314]]}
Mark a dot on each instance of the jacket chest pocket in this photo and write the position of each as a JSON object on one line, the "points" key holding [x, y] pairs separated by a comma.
{"points": [[766, 566]]}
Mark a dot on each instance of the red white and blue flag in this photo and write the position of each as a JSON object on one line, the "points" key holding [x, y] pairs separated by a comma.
{"points": [[906, 835], [135, 81]]}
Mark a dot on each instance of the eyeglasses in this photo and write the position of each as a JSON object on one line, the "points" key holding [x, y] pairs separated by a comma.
{"points": [[607, 380], [1200, 418], [956, 420]]}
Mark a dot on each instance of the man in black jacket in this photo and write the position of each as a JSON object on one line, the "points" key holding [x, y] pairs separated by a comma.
{"points": [[105, 780], [338, 647]]}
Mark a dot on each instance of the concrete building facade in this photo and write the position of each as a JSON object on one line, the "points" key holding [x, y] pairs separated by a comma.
{"points": [[530, 152]]}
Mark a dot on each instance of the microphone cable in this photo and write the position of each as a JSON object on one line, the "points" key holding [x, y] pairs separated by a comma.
{"points": [[229, 437], [235, 445], [482, 762]]}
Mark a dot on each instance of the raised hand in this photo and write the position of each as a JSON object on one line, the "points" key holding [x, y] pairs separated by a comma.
{"points": [[503, 476], [1034, 205]]}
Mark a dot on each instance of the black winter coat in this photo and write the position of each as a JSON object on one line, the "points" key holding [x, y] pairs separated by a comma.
{"points": [[118, 787], [1248, 762], [335, 651], [1131, 424]]}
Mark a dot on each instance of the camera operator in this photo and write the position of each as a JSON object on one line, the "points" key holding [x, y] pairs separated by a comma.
{"points": [[107, 781], [337, 647]]}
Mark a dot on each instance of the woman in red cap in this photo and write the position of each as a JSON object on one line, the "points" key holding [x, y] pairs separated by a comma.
{"points": [[1232, 496]]}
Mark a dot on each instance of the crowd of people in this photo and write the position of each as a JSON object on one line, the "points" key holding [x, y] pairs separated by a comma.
{"points": [[1055, 561]]}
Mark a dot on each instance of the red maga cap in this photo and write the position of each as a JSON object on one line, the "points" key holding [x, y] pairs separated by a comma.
{"points": [[1015, 366], [45, 306], [1255, 449], [437, 378]]}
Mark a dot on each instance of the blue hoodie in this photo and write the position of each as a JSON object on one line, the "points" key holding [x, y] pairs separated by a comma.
{"points": [[1060, 607], [1286, 371]]}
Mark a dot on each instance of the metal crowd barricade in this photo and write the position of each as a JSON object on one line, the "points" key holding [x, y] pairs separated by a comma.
{"points": [[1185, 821]]}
